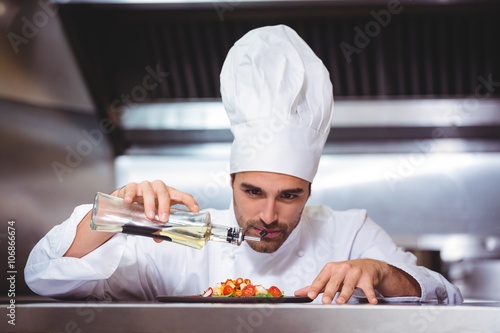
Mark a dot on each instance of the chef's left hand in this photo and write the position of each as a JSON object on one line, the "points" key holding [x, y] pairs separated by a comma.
{"points": [[365, 274]]}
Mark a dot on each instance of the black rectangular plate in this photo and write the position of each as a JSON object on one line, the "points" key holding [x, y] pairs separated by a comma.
{"points": [[220, 299]]}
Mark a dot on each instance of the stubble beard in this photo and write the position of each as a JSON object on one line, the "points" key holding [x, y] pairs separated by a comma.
{"points": [[267, 245]]}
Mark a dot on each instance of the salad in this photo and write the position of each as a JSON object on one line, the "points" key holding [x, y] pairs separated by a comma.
{"points": [[241, 288]]}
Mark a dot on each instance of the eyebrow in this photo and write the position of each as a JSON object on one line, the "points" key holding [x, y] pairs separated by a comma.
{"points": [[247, 186]]}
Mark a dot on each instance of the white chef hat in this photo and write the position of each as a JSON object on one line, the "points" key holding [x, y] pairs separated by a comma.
{"points": [[279, 99]]}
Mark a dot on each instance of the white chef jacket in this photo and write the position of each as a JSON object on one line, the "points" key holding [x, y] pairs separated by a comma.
{"points": [[137, 268]]}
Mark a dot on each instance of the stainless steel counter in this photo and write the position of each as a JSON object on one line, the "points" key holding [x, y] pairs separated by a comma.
{"points": [[161, 317]]}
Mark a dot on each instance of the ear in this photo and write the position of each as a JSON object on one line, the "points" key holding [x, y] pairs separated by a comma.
{"points": [[233, 177]]}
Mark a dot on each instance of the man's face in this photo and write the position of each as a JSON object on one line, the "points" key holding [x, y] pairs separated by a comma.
{"points": [[268, 201]]}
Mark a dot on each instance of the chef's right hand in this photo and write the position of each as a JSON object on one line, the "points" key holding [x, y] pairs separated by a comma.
{"points": [[157, 198]]}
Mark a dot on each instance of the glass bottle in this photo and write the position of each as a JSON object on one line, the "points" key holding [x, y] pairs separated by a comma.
{"points": [[112, 214]]}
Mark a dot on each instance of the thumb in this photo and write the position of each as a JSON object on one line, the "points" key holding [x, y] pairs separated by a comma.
{"points": [[302, 291]]}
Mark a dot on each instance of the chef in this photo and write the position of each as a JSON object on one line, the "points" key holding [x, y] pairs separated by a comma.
{"points": [[278, 96]]}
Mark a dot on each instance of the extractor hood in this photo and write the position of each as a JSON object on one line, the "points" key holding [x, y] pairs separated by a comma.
{"points": [[399, 68]]}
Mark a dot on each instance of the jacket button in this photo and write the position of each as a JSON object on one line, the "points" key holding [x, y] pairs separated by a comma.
{"points": [[300, 253]]}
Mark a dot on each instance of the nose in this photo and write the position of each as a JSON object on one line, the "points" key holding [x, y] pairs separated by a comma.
{"points": [[269, 213]]}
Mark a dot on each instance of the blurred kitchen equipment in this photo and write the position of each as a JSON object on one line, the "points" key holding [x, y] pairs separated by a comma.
{"points": [[416, 132], [473, 264]]}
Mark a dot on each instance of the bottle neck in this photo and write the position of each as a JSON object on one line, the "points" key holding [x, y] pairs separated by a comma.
{"points": [[232, 235]]}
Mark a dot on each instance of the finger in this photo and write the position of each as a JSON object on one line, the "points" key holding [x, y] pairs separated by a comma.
{"points": [[162, 199], [179, 197], [302, 291], [369, 290], [330, 290], [149, 198], [336, 274], [350, 282], [345, 293], [320, 281], [127, 192], [116, 192], [370, 295]]}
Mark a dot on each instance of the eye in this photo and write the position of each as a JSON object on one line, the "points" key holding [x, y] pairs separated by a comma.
{"points": [[288, 196], [253, 192]]}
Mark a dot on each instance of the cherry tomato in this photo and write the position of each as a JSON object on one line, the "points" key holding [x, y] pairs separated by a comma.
{"points": [[227, 290], [275, 291], [248, 291]]}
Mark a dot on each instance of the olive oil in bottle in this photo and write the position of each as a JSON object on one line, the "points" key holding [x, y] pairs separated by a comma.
{"points": [[112, 214]]}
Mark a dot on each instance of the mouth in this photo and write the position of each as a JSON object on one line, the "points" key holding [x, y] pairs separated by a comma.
{"points": [[270, 232]]}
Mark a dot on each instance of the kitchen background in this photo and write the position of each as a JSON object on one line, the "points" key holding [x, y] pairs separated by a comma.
{"points": [[94, 94]]}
